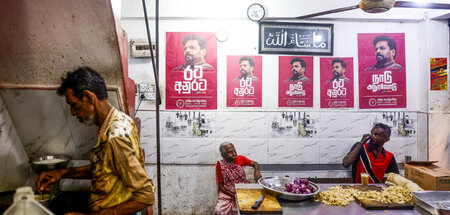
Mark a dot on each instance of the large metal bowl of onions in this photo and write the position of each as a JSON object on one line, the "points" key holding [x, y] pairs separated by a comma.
{"points": [[276, 186]]}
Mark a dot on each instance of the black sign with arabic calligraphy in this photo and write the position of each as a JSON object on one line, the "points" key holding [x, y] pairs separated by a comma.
{"points": [[295, 38]]}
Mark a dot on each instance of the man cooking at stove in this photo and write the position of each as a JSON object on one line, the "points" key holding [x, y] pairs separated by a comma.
{"points": [[120, 184], [229, 171], [369, 155]]}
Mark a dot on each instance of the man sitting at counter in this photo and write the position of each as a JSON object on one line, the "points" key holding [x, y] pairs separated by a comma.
{"points": [[369, 156], [229, 171], [120, 184]]}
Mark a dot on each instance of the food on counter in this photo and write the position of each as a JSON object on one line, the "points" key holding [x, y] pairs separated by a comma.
{"points": [[300, 186], [393, 194], [341, 196], [336, 196], [401, 181]]}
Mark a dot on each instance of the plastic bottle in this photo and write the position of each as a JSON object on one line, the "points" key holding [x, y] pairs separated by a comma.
{"points": [[24, 203]]}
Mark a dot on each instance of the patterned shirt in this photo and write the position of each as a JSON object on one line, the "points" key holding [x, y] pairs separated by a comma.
{"points": [[231, 174], [118, 172]]}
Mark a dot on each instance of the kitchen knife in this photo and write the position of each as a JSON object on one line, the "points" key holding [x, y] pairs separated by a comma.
{"points": [[258, 202]]}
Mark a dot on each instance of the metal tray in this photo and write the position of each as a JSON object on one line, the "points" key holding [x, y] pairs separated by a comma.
{"points": [[275, 186], [44, 163], [434, 202]]}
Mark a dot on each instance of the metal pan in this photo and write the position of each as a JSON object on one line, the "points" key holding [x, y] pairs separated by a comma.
{"points": [[275, 186], [49, 162], [434, 202]]}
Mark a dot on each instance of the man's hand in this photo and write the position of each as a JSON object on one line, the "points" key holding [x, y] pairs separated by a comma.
{"points": [[364, 138], [47, 179], [351, 156]]}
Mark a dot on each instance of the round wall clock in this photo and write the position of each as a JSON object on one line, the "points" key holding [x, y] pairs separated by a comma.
{"points": [[256, 12]]}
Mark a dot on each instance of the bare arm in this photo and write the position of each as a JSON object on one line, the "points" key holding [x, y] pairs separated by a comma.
{"points": [[223, 190], [255, 165], [82, 172], [47, 179], [351, 156]]}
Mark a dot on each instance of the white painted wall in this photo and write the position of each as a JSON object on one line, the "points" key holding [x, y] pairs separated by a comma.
{"points": [[438, 101], [208, 16]]}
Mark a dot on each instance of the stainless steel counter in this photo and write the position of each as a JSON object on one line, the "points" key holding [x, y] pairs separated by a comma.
{"points": [[312, 207]]}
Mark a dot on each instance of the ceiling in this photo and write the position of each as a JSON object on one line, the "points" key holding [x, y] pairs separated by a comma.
{"points": [[395, 14], [281, 9]]}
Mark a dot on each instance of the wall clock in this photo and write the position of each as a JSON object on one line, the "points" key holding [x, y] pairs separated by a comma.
{"points": [[256, 12]]}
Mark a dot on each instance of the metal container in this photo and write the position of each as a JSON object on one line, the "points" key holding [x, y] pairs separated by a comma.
{"points": [[434, 202], [49, 162], [44, 199], [275, 186]]}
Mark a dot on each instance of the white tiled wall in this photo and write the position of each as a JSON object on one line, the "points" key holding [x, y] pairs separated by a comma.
{"points": [[252, 148], [242, 125], [188, 151], [253, 137], [333, 150], [294, 151]]}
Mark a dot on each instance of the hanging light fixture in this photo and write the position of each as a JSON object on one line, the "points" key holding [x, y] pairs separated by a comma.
{"points": [[376, 6]]}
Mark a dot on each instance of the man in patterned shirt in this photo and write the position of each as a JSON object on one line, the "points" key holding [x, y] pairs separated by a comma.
{"points": [[120, 184]]}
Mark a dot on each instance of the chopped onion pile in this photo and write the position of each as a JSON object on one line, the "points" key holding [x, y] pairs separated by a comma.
{"points": [[300, 186]]}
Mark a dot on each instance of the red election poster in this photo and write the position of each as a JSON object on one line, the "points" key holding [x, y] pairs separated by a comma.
{"points": [[336, 82], [382, 72], [295, 82], [191, 74], [244, 81]]}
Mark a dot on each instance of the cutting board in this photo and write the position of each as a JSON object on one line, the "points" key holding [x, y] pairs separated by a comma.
{"points": [[247, 197], [376, 205]]}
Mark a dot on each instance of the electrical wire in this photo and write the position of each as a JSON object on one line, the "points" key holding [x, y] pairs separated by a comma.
{"points": [[141, 98], [158, 99]]}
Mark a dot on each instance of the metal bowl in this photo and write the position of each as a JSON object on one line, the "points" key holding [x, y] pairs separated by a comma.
{"points": [[275, 186], [44, 199], [49, 162]]}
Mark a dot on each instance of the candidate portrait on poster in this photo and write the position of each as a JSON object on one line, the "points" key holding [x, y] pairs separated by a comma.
{"points": [[336, 82], [244, 81], [382, 70], [295, 81], [191, 71]]}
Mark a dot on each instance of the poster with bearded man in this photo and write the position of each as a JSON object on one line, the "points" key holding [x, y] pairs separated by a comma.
{"points": [[382, 71], [244, 81], [191, 74], [295, 81]]}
